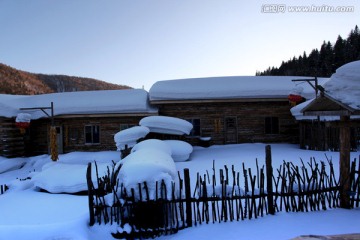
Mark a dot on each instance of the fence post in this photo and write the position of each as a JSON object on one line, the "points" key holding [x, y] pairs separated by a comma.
{"points": [[90, 194], [188, 197], [344, 162], [269, 177]]}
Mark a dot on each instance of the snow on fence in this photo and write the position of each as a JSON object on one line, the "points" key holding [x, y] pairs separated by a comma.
{"points": [[219, 196]]}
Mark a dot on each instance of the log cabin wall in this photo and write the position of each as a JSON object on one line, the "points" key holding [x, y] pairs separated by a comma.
{"points": [[250, 118], [11, 139], [71, 132]]}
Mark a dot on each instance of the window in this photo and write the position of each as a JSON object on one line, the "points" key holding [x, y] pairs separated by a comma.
{"points": [[271, 125], [92, 134], [196, 127], [126, 126]]}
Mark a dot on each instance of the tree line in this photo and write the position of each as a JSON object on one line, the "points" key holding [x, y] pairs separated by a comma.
{"points": [[323, 62]]}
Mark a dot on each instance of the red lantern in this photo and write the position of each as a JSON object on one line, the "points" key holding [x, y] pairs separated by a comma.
{"points": [[295, 98], [22, 124]]}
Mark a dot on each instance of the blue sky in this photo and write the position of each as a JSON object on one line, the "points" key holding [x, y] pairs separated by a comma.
{"points": [[139, 42]]}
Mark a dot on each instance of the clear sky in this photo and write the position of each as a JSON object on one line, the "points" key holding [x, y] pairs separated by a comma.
{"points": [[139, 42]]}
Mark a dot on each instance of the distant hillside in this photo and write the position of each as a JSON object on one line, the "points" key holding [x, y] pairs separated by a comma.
{"points": [[13, 81]]}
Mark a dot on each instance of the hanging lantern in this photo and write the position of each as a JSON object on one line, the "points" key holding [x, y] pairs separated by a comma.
{"points": [[295, 99], [22, 121]]}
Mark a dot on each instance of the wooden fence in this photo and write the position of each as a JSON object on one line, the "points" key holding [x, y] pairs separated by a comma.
{"points": [[225, 195], [3, 188]]}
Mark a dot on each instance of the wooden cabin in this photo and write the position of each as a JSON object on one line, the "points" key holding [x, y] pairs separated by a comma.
{"points": [[84, 121], [230, 110]]}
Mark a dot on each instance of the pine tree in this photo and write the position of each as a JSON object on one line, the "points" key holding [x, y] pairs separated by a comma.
{"points": [[323, 62]]}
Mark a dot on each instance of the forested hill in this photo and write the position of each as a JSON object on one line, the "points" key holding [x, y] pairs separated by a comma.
{"points": [[323, 62], [13, 81]]}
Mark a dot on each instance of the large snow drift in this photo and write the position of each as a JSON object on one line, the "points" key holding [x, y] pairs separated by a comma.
{"points": [[66, 178], [167, 125], [150, 166]]}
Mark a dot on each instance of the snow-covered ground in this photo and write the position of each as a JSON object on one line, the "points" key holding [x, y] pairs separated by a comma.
{"points": [[26, 213]]}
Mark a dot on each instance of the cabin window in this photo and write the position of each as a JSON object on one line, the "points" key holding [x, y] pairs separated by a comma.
{"points": [[271, 125], [92, 134], [74, 135], [196, 127], [126, 126]]}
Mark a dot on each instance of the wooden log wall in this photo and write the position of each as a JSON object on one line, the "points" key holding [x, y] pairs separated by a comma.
{"points": [[11, 140], [250, 119], [73, 130]]}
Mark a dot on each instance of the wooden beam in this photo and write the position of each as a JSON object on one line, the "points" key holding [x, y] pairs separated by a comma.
{"points": [[344, 163], [327, 113]]}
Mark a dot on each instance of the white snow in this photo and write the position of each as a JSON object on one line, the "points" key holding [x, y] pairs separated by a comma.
{"points": [[58, 177], [31, 215], [23, 117], [344, 86], [167, 125], [153, 144], [130, 136], [231, 87], [84, 102], [150, 165], [180, 150]]}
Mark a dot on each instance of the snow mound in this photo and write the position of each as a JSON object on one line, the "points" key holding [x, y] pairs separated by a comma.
{"points": [[167, 125], [7, 165], [130, 136], [66, 178], [150, 166], [180, 150], [153, 144]]}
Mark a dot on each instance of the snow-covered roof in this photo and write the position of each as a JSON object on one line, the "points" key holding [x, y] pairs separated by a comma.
{"points": [[85, 102], [343, 86], [231, 88]]}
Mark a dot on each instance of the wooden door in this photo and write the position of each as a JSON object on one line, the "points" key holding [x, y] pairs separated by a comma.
{"points": [[231, 132], [59, 139]]}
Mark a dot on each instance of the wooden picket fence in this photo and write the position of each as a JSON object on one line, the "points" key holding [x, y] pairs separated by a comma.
{"points": [[3, 188], [225, 195]]}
